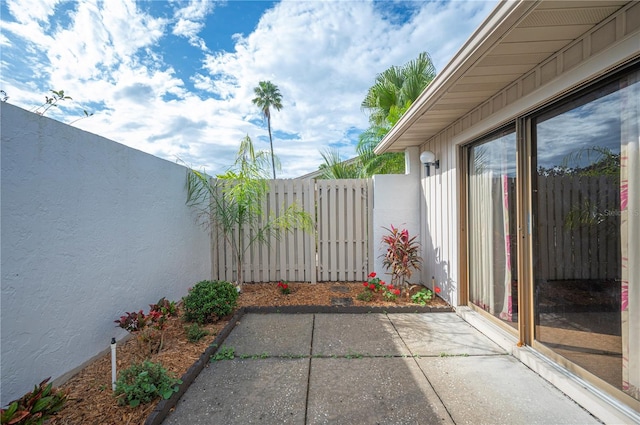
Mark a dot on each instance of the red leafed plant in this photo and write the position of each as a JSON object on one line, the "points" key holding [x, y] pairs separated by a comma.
{"points": [[284, 288], [402, 256], [36, 406], [132, 322]]}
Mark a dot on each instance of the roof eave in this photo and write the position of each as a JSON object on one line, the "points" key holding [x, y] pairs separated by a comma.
{"points": [[506, 14]]}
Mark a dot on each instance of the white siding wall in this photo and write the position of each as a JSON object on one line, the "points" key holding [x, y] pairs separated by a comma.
{"points": [[440, 221], [613, 42], [90, 229]]}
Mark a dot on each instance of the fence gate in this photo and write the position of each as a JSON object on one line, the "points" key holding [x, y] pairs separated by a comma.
{"points": [[339, 249], [344, 229]]}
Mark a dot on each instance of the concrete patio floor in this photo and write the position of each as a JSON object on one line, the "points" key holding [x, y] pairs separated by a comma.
{"points": [[407, 368]]}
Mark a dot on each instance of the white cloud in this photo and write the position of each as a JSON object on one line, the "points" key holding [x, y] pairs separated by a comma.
{"points": [[27, 10], [190, 21], [322, 55]]}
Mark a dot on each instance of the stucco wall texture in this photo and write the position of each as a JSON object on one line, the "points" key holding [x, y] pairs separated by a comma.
{"points": [[90, 229], [397, 199]]}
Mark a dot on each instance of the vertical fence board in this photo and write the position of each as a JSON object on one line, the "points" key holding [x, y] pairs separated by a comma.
{"points": [[311, 266], [359, 231], [338, 249], [350, 234]]}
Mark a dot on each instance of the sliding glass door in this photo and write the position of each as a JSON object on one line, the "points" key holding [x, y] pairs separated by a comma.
{"points": [[583, 156], [492, 226], [577, 240]]}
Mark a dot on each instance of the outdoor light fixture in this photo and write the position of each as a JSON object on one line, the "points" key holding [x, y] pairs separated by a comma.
{"points": [[429, 158]]}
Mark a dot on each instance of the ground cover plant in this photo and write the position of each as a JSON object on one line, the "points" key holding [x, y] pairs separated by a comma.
{"points": [[195, 333], [143, 382]]}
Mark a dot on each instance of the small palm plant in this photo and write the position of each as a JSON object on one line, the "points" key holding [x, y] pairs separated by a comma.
{"points": [[233, 204], [402, 256]]}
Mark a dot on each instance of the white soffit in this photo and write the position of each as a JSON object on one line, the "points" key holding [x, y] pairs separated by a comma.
{"points": [[515, 38]]}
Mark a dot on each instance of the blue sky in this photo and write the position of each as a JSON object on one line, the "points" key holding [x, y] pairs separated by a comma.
{"points": [[175, 78]]}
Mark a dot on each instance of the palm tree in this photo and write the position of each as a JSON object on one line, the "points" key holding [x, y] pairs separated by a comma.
{"points": [[335, 168], [393, 92], [268, 96]]}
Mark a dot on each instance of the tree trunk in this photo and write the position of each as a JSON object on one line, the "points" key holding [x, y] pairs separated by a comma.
{"points": [[273, 162]]}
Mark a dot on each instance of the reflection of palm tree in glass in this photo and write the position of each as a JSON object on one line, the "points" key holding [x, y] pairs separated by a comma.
{"points": [[480, 159], [595, 174]]}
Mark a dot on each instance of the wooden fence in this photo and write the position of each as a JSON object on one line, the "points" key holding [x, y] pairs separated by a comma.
{"points": [[578, 227], [339, 248]]}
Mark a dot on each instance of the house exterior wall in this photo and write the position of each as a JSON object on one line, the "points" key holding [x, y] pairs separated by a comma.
{"points": [[439, 222], [613, 42], [90, 229]]}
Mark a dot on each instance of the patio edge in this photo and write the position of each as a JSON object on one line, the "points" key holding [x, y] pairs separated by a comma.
{"points": [[160, 412], [162, 409]]}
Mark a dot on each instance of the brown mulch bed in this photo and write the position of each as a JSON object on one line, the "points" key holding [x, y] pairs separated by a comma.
{"points": [[90, 399]]}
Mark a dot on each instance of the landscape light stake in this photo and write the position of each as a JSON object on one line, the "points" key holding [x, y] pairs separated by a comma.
{"points": [[113, 364]]}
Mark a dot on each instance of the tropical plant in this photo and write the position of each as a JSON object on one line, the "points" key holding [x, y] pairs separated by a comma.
{"points": [[142, 383], [268, 96], [234, 205], [393, 92], [402, 255], [36, 406], [396, 88], [334, 167]]}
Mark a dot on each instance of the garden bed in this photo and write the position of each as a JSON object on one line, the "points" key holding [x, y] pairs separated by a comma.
{"points": [[90, 399]]}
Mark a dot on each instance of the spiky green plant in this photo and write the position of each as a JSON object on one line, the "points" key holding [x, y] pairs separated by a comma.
{"points": [[233, 204]]}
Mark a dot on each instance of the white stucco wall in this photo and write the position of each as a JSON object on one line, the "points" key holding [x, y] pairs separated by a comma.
{"points": [[396, 201], [90, 229]]}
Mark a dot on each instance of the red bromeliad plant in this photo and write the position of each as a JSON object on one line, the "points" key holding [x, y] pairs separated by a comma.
{"points": [[402, 255]]}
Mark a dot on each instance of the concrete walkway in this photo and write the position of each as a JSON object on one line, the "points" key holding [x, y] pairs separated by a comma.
{"points": [[429, 368]]}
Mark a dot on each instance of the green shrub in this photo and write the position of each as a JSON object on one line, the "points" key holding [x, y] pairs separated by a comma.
{"points": [[34, 407], [208, 301], [144, 382], [195, 333]]}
